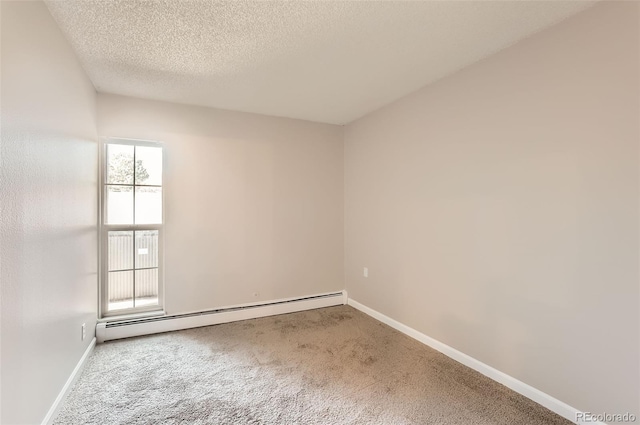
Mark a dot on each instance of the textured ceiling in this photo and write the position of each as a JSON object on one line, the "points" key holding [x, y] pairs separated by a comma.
{"points": [[327, 61]]}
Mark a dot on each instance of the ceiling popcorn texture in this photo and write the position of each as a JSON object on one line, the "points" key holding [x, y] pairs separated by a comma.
{"points": [[325, 61]]}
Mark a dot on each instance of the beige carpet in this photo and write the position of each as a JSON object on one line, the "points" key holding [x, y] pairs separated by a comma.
{"points": [[327, 366]]}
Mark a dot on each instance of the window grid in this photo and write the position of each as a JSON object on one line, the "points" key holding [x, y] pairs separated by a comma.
{"points": [[137, 305]]}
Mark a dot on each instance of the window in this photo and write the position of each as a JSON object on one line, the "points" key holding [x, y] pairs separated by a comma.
{"points": [[131, 228]]}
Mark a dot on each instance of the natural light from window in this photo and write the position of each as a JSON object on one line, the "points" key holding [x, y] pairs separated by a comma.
{"points": [[132, 227]]}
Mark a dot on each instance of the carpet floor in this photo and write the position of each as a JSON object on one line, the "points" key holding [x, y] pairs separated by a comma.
{"points": [[328, 366]]}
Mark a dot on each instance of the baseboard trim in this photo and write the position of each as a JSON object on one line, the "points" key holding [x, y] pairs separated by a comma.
{"points": [[508, 381], [147, 326], [57, 404]]}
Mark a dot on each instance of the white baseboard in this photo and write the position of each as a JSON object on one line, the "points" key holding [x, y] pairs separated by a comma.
{"points": [[57, 404], [520, 387], [151, 325]]}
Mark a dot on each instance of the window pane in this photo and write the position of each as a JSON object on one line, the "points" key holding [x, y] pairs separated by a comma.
{"points": [[146, 287], [148, 205], [119, 205], [119, 164], [146, 249], [120, 290], [120, 253], [148, 165]]}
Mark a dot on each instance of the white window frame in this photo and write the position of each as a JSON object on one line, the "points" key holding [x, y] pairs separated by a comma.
{"points": [[103, 296]]}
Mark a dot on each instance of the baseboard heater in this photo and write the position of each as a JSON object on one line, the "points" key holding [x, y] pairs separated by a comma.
{"points": [[107, 331]]}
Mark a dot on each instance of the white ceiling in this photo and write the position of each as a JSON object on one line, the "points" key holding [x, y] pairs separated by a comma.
{"points": [[326, 61]]}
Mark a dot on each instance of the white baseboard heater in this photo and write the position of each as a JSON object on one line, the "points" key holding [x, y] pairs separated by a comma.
{"points": [[107, 331]]}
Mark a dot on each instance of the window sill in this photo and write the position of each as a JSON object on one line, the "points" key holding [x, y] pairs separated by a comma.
{"points": [[132, 316]]}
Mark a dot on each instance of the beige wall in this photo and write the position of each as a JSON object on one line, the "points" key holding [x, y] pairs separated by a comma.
{"points": [[48, 207], [254, 204], [497, 210]]}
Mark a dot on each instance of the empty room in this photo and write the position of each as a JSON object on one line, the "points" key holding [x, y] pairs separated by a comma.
{"points": [[320, 212]]}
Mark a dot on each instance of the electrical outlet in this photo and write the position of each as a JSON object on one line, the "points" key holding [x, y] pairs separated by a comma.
{"points": [[365, 272], [84, 330]]}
